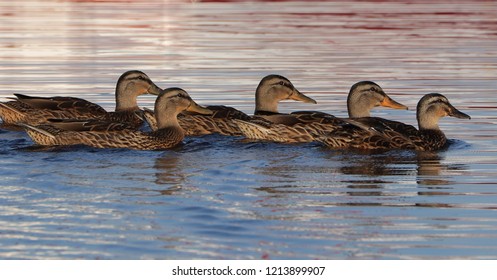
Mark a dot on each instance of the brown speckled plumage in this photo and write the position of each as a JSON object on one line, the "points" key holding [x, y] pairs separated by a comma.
{"points": [[271, 90], [38, 110], [89, 125], [169, 103], [305, 126], [128, 138], [220, 121], [378, 133], [13, 112]]}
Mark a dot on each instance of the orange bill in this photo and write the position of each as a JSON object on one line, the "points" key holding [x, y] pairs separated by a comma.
{"points": [[390, 103], [194, 107], [298, 96]]}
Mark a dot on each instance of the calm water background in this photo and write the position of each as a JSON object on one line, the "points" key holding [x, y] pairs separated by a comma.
{"points": [[220, 198]]}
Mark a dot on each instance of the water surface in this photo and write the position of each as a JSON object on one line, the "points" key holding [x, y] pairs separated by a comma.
{"points": [[218, 197]]}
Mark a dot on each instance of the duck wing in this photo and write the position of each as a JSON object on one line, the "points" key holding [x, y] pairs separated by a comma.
{"points": [[371, 133], [220, 121], [88, 125], [60, 103], [297, 127]]}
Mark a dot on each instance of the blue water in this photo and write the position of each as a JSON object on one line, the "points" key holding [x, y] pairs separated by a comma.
{"points": [[218, 197]]}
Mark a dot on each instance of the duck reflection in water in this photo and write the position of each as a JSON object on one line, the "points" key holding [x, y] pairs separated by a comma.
{"points": [[368, 173], [170, 172], [429, 169]]}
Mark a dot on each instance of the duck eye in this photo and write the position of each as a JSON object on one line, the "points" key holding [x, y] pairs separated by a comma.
{"points": [[282, 83], [372, 89]]}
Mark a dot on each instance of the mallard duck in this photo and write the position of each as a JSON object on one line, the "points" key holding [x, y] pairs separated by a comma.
{"points": [[271, 90], [378, 133], [304, 126], [168, 105], [37, 110]]}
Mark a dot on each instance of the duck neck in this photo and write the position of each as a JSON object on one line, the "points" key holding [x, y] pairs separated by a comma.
{"points": [[265, 103], [358, 107], [167, 119], [125, 99], [427, 122]]}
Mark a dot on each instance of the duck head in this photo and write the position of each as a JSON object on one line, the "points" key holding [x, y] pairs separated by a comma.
{"points": [[130, 85], [434, 106], [366, 95], [171, 102], [274, 88]]}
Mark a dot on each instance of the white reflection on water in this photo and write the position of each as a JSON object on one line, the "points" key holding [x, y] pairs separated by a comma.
{"points": [[219, 197]]}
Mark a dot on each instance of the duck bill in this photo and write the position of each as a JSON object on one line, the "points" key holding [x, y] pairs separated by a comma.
{"points": [[390, 103], [458, 114], [298, 96], [195, 108], [154, 89]]}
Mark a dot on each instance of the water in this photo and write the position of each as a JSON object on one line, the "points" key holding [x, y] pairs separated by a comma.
{"points": [[222, 198]]}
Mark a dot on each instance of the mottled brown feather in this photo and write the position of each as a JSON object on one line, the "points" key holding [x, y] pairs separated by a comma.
{"points": [[37, 110], [88, 125], [306, 126], [131, 139], [103, 134], [220, 121], [377, 133], [271, 90], [384, 134]]}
